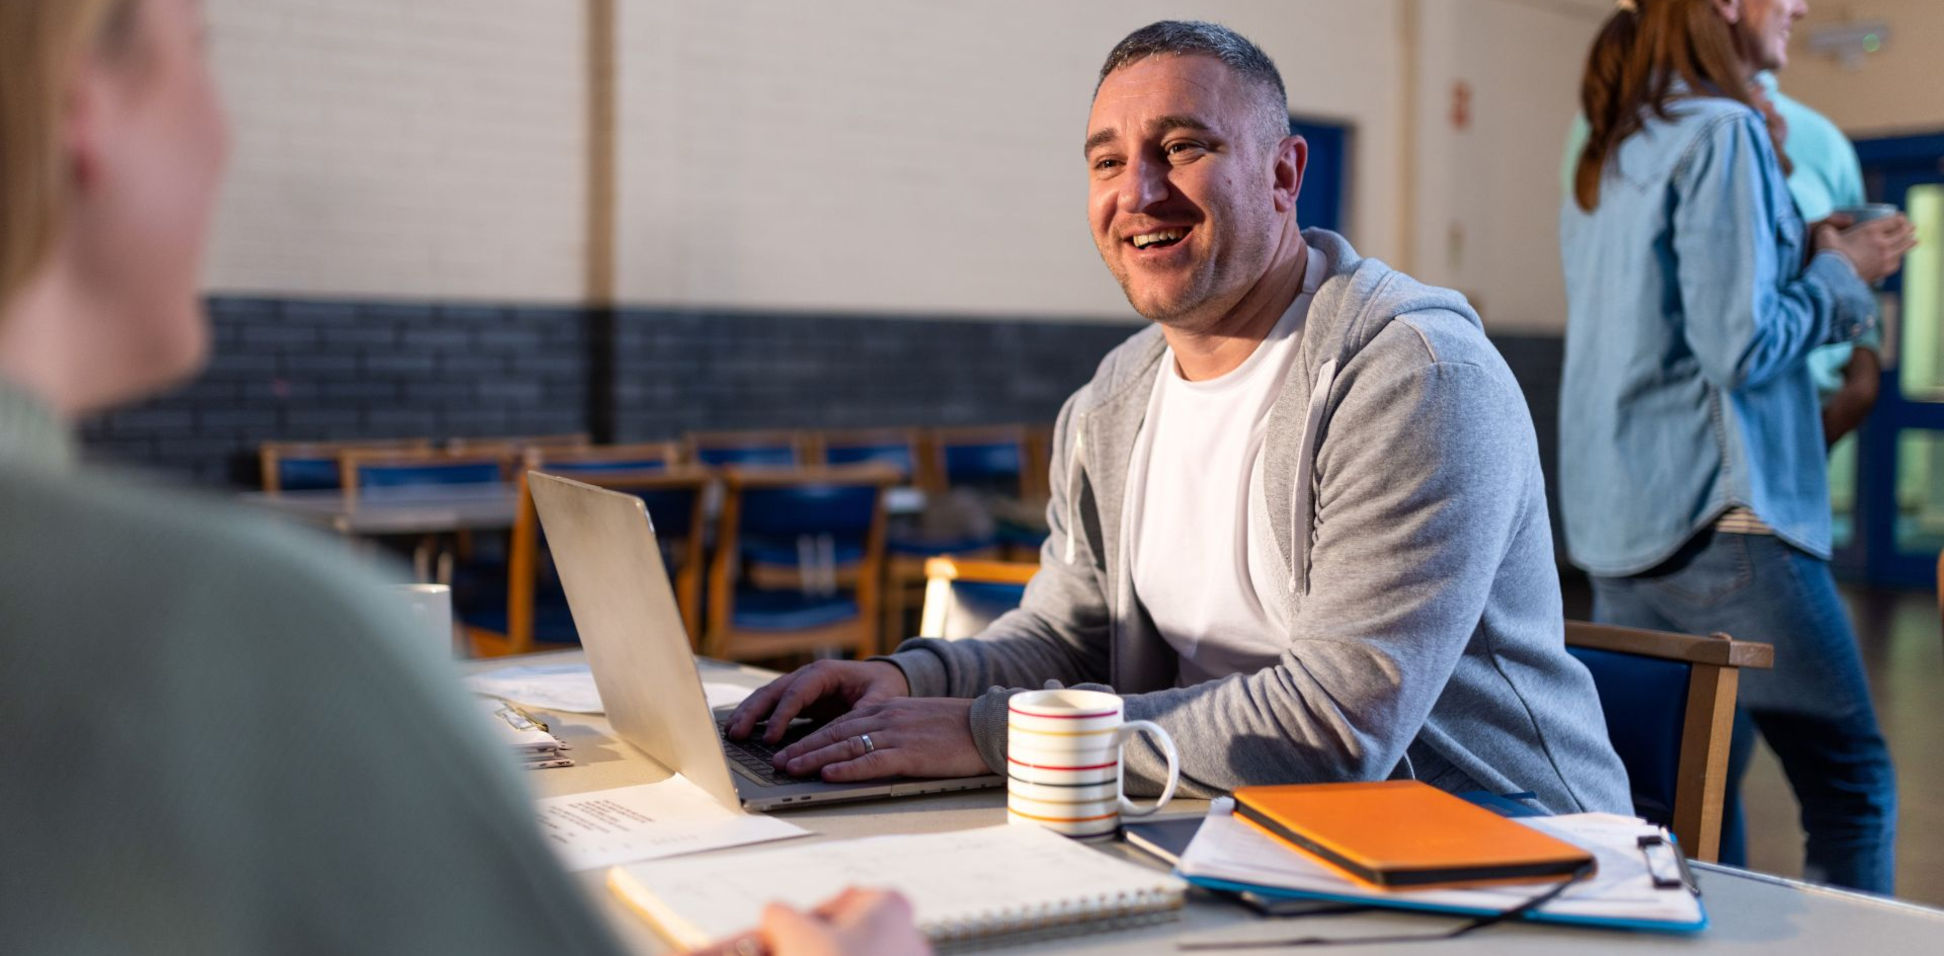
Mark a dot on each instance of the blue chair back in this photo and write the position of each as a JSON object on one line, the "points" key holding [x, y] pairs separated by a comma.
{"points": [[896, 454], [307, 474], [750, 456], [993, 466], [1644, 700], [571, 468], [426, 474], [671, 509], [976, 604], [844, 512]]}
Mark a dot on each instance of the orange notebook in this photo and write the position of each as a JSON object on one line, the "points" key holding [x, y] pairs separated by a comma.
{"points": [[1404, 833]]}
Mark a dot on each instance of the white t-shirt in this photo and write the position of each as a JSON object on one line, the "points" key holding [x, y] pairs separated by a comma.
{"points": [[1214, 592]]}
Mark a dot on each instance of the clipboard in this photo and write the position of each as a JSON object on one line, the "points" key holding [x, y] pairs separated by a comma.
{"points": [[1639, 885]]}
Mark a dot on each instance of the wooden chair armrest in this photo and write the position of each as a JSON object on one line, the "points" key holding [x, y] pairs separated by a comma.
{"points": [[985, 572], [1717, 649]]}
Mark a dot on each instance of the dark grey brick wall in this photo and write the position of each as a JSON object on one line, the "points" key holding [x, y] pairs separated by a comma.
{"points": [[1536, 361], [298, 369], [295, 369], [682, 370]]}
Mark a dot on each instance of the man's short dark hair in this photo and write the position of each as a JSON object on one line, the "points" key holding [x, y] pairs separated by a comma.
{"points": [[1201, 38]]}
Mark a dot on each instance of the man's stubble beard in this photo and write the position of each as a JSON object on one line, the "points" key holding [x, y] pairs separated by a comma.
{"points": [[1205, 304]]}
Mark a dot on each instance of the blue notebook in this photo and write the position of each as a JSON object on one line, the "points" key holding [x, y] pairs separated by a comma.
{"points": [[1640, 882]]}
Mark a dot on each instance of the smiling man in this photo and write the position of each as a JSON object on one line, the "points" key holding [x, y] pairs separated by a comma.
{"points": [[1298, 521]]}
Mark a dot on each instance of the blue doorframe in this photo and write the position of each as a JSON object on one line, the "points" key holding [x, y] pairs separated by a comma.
{"points": [[1322, 203], [1892, 166]]}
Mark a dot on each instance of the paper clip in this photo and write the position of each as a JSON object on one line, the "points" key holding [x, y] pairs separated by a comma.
{"points": [[1666, 865]]}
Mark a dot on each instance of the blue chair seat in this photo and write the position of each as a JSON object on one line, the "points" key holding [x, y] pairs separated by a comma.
{"points": [[790, 610]]}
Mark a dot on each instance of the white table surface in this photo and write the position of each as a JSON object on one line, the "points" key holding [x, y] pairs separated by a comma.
{"points": [[1750, 913], [426, 510]]}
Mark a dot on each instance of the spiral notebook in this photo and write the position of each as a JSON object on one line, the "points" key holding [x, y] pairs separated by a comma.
{"points": [[965, 885]]}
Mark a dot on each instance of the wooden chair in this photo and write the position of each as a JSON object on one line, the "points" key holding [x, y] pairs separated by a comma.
{"points": [[989, 458], [514, 445], [1669, 701], [674, 498], [363, 472], [772, 448], [313, 465], [807, 524], [962, 597], [992, 461]]}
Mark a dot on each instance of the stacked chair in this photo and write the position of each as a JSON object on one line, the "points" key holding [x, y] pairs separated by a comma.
{"points": [[778, 541]]}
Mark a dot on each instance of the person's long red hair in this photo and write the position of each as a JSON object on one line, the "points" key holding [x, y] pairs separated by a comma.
{"points": [[1630, 71]]}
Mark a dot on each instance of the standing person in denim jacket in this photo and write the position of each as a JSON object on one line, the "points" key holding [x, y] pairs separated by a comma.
{"points": [[1691, 464]]}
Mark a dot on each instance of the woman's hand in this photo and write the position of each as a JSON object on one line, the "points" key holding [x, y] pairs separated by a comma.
{"points": [[1874, 249], [853, 923]]}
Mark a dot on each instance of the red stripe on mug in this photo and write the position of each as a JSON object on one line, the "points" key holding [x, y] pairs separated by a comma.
{"points": [[1041, 766]]}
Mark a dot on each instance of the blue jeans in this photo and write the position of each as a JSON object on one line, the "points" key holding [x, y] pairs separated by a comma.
{"points": [[1813, 708]]}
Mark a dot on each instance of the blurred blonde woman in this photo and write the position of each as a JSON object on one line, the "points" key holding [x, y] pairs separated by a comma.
{"points": [[220, 738]]}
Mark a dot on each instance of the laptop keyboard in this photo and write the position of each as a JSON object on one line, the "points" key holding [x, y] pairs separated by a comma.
{"points": [[754, 756]]}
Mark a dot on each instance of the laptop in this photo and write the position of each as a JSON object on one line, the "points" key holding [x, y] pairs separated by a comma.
{"points": [[610, 564]]}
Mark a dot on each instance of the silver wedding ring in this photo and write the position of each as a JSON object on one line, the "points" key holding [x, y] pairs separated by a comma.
{"points": [[865, 739]]}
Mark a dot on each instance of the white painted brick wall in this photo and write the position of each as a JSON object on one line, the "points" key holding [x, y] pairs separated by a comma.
{"points": [[403, 148], [897, 156]]}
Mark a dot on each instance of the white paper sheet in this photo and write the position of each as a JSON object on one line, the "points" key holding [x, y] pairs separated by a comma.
{"points": [[570, 687], [724, 695], [648, 822]]}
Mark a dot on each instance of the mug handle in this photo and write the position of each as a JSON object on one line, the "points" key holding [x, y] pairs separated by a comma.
{"points": [[1167, 745]]}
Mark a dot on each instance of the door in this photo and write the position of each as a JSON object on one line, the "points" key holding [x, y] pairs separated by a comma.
{"points": [[1899, 478], [1321, 204]]}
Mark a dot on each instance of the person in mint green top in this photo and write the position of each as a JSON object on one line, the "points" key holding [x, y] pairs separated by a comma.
{"points": [[1825, 176], [221, 735]]}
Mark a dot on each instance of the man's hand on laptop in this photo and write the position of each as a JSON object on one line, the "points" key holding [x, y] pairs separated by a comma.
{"points": [[825, 688], [901, 737]]}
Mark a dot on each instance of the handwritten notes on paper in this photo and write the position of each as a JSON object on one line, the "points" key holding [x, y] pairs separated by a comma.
{"points": [[570, 688], [649, 822]]}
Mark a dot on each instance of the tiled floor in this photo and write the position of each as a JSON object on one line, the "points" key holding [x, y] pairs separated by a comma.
{"points": [[1903, 648]]}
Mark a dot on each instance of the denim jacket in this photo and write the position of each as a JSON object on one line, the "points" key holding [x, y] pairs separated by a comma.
{"points": [[1690, 315]]}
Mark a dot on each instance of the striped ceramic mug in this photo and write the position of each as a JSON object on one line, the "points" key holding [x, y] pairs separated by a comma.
{"points": [[1063, 762]]}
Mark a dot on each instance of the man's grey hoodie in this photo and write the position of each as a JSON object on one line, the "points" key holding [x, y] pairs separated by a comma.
{"points": [[1401, 484]]}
